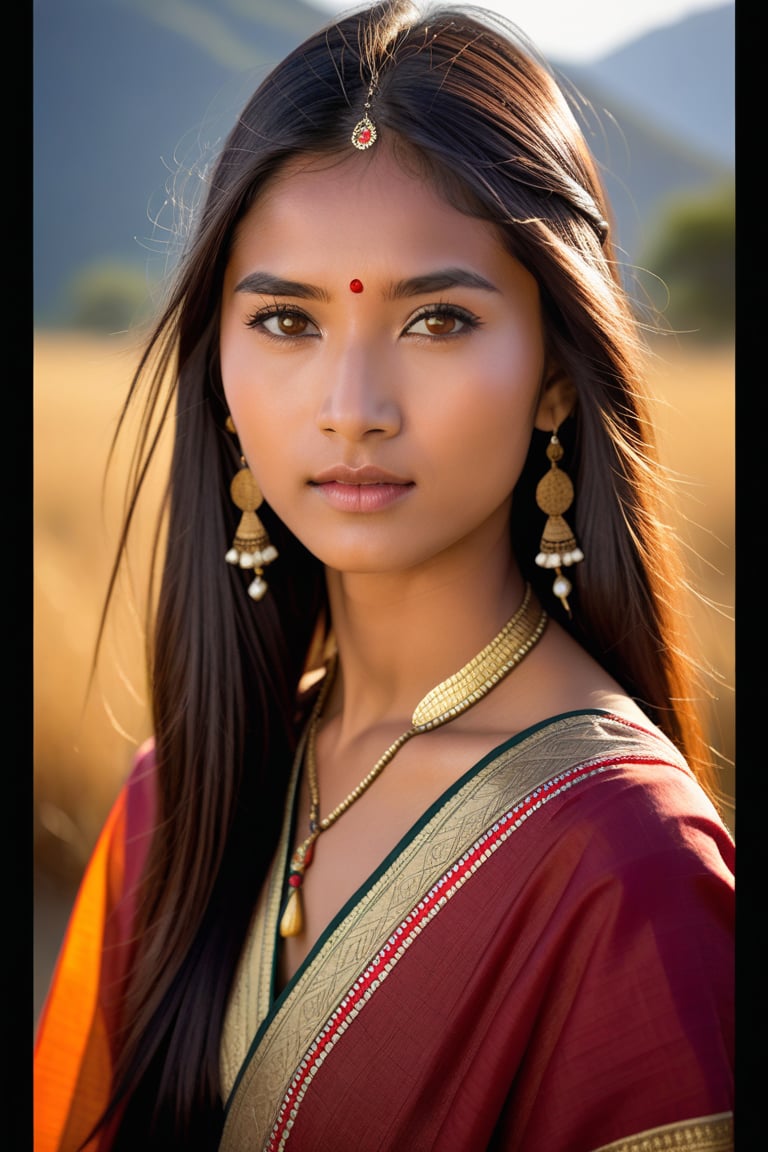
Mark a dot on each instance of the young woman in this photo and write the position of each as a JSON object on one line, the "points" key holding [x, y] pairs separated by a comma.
{"points": [[423, 853]]}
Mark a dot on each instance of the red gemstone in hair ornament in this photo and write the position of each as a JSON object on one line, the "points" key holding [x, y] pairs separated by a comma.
{"points": [[364, 133], [355, 285]]}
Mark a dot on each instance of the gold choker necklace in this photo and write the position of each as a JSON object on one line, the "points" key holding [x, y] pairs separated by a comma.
{"points": [[442, 704]]}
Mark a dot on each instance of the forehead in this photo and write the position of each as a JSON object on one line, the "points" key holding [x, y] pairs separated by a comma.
{"points": [[359, 207]]}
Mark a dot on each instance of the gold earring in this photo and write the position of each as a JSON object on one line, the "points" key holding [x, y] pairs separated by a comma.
{"points": [[251, 546], [558, 547]]}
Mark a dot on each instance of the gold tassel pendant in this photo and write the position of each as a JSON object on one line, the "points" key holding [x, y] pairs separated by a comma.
{"points": [[292, 920]]}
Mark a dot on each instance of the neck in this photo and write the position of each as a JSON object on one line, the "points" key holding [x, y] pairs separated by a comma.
{"points": [[379, 624], [442, 704]]}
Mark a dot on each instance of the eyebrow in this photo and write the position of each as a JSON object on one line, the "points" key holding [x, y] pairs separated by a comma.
{"points": [[267, 284], [439, 281]]}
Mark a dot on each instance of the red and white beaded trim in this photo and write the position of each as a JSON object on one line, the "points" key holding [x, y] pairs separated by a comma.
{"points": [[417, 919]]}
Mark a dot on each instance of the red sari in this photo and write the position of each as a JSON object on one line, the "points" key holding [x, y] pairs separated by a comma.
{"points": [[73, 1056], [543, 964]]}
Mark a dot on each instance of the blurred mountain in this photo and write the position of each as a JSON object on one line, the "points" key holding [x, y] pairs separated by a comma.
{"points": [[682, 77], [131, 99]]}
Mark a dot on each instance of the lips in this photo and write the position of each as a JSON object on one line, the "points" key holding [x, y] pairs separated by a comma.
{"points": [[367, 474], [365, 489]]}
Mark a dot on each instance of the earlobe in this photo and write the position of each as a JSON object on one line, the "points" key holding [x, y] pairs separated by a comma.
{"points": [[557, 401]]}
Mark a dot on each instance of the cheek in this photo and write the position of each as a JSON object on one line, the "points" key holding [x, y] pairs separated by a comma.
{"points": [[264, 430], [492, 420], [240, 397], [243, 382], [483, 444], [236, 364], [262, 442]]}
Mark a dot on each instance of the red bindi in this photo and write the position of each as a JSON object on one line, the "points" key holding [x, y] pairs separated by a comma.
{"points": [[355, 285]]}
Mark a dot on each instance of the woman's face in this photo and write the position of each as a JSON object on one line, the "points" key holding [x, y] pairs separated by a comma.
{"points": [[383, 361]]}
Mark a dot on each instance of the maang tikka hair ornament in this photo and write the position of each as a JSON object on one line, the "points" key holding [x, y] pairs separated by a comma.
{"points": [[364, 132], [558, 547], [251, 547]]}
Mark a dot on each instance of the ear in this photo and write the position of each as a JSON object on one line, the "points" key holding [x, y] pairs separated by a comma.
{"points": [[557, 400]]}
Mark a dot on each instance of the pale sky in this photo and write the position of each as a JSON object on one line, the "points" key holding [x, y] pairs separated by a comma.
{"points": [[579, 31]]}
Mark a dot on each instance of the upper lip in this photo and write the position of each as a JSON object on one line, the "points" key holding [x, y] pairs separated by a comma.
{"points": [[367, 474]]}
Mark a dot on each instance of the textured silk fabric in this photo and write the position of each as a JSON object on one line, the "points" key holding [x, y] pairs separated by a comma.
{"points": [[559, 981], [72, 1055]]}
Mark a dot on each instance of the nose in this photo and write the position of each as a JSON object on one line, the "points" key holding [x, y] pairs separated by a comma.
{"points": [[359, 400]]}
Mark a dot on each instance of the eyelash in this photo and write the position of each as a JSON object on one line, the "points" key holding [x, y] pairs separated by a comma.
{"points": [[449, 311], [259, 319]]}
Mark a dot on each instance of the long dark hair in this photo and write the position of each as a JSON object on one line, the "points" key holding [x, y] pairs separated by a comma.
{"points": [[468, 102]]}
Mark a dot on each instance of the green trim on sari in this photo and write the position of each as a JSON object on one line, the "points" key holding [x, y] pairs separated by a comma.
{"points": [[264, 1040]]}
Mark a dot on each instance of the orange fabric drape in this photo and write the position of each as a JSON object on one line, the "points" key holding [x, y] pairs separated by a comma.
{"points": [[72, 1061], [73, 1052]]}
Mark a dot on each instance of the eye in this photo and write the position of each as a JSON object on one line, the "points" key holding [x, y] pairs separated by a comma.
{"points": [[442, 320], [282, 321]]}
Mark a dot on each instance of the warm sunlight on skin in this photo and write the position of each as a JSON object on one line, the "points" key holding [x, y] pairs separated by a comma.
{"points": [[386, 426]]}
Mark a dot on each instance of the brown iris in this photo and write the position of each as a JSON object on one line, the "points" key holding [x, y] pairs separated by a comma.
{"points": [[291, 324], [440, 324]]}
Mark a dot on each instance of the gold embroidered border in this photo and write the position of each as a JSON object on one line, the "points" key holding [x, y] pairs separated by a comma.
{"points": [[332, 968], [704, 1134]]}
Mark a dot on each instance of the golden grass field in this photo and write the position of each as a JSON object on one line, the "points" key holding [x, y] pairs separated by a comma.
{"points": [[83, 746]]}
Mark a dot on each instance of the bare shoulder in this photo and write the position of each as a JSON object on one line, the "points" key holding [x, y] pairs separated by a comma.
{"points": [[560, 676]]}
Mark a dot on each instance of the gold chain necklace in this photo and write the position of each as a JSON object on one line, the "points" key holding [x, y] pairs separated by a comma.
{"points": [[442, 704]]}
